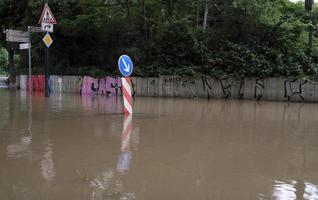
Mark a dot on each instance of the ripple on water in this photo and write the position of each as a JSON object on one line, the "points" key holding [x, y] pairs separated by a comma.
{"points": [[287, 190], [284, 190]]}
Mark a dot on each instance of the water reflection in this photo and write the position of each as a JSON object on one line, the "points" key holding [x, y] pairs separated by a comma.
{"points": [[125, 156], [109, 184], [290, 190], [187, 148], [311, 191], [23, 148], [47, 164], [284, 190], [17, 150], [105, 104]]}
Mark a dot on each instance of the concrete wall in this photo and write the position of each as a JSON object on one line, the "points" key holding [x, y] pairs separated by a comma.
{"points": [[56, 84], [22, 82], [3, 82], [271, 89]]}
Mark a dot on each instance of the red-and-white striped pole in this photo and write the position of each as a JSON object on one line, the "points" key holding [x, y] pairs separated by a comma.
{"points": [[127, 95]]}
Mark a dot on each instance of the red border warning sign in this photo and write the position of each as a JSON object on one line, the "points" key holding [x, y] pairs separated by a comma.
{"points": [[47, 16]]}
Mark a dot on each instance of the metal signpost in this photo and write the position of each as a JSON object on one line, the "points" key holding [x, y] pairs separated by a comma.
{"points": [[30, 67], [23, 46], [25, 39], [47, 21], [31, 29], [126, 67]]}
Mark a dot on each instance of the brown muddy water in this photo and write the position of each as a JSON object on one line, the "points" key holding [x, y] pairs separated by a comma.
{"points": [[73, 147]]}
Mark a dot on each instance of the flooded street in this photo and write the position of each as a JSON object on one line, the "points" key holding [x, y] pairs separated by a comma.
{"points": [[74, 147]]}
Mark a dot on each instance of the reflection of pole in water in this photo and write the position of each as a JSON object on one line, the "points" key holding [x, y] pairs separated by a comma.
{"points": [[23, 149], [111, 184], [28, 139], [125, 156], [47, 164]]}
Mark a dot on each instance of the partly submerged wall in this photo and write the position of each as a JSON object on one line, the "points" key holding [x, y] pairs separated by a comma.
{"points": [[273, 89]]}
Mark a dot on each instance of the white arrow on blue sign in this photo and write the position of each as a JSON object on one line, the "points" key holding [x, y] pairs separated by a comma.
{"points": [[125, 65]]}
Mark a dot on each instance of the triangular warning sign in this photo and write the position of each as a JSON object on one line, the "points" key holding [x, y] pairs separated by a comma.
{"points": [[47, 16]]}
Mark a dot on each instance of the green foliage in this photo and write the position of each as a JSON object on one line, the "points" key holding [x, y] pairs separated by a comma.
{"points": [[3, 61], [174, 50], [244, 37]]}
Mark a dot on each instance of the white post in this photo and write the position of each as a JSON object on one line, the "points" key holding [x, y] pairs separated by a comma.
{"points": [[30, 72]]}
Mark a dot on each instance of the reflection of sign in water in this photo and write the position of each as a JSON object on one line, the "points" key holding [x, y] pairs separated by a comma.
{"points": [[127, 129], [47, 164], [292, 189], [111, 184], [125, 158], [124, 161]]}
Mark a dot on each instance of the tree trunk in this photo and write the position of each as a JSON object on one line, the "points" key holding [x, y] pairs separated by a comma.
{"points": [[11, 64], [143, 10], [128, 12], [198, 14], [311, 28], [170, 7], [206, 13]]}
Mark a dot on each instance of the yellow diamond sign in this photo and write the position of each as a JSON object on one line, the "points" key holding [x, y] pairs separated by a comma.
{"points": [[47, 40]]}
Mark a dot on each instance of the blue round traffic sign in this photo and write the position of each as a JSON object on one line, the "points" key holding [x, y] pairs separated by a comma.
{"points": [[125, 65]]}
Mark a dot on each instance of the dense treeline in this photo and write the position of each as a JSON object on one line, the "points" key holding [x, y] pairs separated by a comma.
{"points": [[181, 37]]}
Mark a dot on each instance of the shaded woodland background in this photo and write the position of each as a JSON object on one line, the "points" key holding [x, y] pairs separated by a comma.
{"points": [[219, 38]]}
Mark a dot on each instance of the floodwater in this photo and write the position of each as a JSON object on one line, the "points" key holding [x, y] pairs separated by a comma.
{"points": [[73, 147]]}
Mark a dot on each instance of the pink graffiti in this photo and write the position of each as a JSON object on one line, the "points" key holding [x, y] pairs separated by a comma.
{"points": [[113, 86], [90, 86], [103, 86]]}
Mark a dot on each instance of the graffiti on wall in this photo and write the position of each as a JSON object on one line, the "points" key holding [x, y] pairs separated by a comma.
{"points": [[259, 88], [173, 86], [226, 87], [207, 86], [289, 89], [294, 88], [102, 86]]}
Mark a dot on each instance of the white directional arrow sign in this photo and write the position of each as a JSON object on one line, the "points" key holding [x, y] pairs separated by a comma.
{"points": [[127, 67]]}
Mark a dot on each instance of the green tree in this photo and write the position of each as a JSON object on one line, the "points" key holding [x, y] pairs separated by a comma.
{"points": [[3, 61], [182, 37]]}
